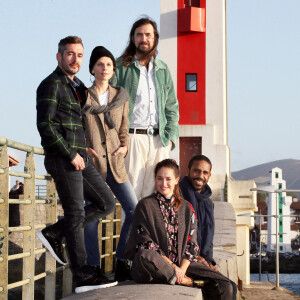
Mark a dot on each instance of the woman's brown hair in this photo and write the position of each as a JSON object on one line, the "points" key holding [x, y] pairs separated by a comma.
{"points": [[171, 164]]}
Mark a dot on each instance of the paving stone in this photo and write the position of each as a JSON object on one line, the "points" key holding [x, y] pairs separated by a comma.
{"points": [[131, 290], [265, 290]]}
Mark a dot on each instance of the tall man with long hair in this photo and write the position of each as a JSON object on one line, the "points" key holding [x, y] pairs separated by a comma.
{"points": [[153, 106]]}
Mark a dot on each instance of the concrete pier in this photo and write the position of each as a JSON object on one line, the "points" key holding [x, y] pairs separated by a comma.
{"points": [[131, 290], [266, 290]]}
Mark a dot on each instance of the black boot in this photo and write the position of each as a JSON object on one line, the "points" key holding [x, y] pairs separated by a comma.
{"points": [[122, 272]]}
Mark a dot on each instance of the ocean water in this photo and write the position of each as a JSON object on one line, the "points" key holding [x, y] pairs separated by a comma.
{"points": [[290, 282]]}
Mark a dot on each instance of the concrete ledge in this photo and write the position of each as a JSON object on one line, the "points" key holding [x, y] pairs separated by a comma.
{"points": [[132, 290], [226, 263], [225, 225], [225, 240], [224, 254]]}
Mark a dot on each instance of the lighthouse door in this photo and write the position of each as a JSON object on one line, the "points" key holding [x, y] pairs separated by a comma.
{"points": [[189, 147]]}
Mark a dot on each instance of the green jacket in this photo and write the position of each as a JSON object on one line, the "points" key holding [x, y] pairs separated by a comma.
{"points": [[168, 108]]}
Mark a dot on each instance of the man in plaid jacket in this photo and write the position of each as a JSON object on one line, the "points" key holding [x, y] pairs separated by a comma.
{"points": [[59, 120]]}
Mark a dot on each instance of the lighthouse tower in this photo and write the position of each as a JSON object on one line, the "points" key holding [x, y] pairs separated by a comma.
{"points": [[193, 44], [280, 202]]}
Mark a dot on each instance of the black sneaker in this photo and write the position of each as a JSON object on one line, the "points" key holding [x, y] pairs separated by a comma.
{"points": [[53, 244], [122, 272], [94, 282]]}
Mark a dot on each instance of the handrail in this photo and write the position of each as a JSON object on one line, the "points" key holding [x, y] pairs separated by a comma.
{"points": [[30, 204], [20, 146]]}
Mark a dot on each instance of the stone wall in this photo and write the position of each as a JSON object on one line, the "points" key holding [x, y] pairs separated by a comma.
{"points": [[16, 238]]}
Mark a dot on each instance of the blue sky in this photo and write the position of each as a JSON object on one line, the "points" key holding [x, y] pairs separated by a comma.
{"points": [[263, 49]]}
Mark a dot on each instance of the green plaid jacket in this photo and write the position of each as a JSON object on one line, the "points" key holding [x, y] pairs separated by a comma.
{"points": [[59, 119]]}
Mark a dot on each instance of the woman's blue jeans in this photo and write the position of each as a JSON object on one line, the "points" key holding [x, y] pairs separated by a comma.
{"points": [[126, 196]]}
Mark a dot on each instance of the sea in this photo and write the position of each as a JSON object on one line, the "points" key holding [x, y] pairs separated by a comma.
{"points": [[290, 282]]}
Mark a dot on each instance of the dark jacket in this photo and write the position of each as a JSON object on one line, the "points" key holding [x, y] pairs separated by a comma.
{"points": [[204, 209], [59, 118], [148, 225]]}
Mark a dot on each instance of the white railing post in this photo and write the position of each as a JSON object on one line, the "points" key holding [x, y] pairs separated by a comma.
{"points": [[29, 235], [4, 195], [50, 262]]}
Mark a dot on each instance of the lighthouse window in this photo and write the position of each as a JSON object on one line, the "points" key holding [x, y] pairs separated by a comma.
{"points": [[195, 3], [191, 82]]}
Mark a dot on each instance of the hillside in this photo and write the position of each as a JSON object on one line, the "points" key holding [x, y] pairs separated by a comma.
{"points": [[260, 173]]}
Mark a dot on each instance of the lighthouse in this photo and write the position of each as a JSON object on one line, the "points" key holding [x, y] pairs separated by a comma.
{"points": [[193, 44], [279, 204]]}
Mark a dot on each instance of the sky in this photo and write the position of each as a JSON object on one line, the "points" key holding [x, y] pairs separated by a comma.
{"points": [[263, 47], [263, 69]]}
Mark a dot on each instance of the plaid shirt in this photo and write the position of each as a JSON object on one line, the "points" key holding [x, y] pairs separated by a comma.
{"points": [[59, 119]]}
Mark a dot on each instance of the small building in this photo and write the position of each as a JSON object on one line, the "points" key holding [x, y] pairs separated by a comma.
{"points": [[279, 203], [294, 227]]}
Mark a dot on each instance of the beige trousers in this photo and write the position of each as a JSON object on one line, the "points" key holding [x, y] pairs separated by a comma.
{"points": [[144, 153]]}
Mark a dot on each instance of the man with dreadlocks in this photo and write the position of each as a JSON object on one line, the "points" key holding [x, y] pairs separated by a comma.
{"points": [[153, 106]]}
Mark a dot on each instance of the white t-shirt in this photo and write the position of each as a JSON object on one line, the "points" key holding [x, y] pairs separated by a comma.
{"points": [[103, 98]]}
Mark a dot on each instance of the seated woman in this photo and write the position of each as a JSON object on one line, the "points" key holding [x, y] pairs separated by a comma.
{"points": [[162, 242], [106, 127]]}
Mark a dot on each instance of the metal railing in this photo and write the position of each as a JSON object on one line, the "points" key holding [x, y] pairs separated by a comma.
{"points": [[41, 191], [110, 226]]}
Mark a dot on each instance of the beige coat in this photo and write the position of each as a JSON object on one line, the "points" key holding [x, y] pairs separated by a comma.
{"points": [[106, 141]]}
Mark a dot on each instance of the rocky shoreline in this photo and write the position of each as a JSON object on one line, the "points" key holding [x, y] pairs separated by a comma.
{"points": [[268, 264]]}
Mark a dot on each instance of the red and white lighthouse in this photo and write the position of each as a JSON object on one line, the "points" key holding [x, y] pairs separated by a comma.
{"points": [[193, 44]]}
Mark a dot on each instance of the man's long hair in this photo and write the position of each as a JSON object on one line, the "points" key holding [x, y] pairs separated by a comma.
{"points": [[130, 50]]}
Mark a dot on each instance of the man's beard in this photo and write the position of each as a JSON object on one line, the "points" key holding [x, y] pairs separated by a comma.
{"points": [[195, 185], [68, 70], [142, 51]]}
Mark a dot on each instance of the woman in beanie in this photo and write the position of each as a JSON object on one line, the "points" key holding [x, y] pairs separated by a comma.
{"points": [[106, 126]]}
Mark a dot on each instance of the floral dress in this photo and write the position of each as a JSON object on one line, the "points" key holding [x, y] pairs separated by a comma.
{"points": [[170, 216]]}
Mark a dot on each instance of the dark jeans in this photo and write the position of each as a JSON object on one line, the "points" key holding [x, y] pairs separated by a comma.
{"points": [[72, 188], [126, 196]]}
